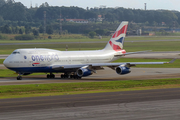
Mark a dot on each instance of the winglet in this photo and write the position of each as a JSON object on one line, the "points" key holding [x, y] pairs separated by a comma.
{"points": [[172, 60]]}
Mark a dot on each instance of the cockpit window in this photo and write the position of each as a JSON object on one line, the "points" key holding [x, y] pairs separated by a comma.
{"points": [[16, 53]]}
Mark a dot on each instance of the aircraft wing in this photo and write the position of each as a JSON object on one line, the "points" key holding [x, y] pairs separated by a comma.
{"points": [[97, 66]]}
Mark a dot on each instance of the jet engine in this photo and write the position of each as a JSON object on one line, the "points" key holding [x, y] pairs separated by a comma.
{"points": [[83, 72], [121, 70]]}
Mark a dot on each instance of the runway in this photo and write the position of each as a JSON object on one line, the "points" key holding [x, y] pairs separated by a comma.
{"points": [[3, 56], [162, 104]]}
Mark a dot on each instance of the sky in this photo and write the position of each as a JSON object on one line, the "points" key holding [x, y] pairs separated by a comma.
{"points": [[134, 4]]}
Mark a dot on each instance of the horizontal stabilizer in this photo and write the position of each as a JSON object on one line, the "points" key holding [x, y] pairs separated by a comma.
{"points": [[172, 61], [129, 53]]}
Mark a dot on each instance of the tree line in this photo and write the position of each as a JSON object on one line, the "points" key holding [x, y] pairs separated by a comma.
{"points": [[14, 14]]}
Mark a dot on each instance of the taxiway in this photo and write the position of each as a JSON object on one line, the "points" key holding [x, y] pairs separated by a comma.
{"points": [[102, 75], [162, 104]]}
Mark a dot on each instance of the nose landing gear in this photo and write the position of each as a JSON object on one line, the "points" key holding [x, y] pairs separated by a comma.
{"points": [[19, 77]]}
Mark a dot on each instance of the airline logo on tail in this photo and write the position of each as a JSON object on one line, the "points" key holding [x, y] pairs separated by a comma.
{"points": [[118, 44], [121, 31]]}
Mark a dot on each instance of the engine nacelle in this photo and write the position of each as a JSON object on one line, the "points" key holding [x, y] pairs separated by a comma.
{"points": [[121, 70], [83, 72]]}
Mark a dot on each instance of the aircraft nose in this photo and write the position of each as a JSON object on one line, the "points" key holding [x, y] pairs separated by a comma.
{"points": [[5, 62]]}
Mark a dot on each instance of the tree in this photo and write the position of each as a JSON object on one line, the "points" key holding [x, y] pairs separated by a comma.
{"points": [[24, 37], [41, 29], [1, 37], [49, 30], [92, 34], [44, 5], [14, 11], [35, 32], [110, 17], [16, 30], [90, 14], [6, 29], [27, 29], [10, 1], [1, 19], [100, 32], [146, 23], [21, 31], [2, 2]]}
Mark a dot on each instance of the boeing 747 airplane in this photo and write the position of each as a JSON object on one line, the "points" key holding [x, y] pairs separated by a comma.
{"points": [[73, 64]]}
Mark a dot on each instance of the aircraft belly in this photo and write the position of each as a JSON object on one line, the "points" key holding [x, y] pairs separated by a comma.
{"points": [[35, 69]]}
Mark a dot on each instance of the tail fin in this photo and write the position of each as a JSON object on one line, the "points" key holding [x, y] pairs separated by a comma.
{"points": [[117, 40]]}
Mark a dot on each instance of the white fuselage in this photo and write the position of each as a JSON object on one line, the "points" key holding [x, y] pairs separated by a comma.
{"points": [[37, 58]]}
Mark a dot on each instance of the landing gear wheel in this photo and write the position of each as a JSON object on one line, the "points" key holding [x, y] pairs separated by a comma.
{"points": [[64, 76], [19, 78], [76, 77], [50, 76]]}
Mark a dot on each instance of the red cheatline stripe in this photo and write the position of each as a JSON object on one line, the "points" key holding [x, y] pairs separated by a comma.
{"points": [[36, 63], [121, 31]]}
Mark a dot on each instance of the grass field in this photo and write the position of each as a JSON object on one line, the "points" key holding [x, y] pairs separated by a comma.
{"points": [[1, 61], [81, 38], [55, 40], [129, 38], [128, 46], [12, 91], [8, 73]]}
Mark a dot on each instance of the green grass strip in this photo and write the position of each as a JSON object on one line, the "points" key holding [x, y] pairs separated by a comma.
{"points": [[88, 87], [128, 46], [81, 38], [1, 61], [9, 73]]}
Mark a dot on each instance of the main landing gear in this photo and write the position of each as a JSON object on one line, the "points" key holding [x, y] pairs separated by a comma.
{"points": [[70, 76], [50, 75]]}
